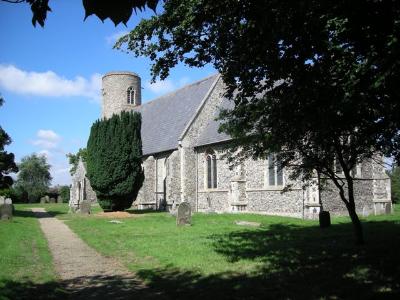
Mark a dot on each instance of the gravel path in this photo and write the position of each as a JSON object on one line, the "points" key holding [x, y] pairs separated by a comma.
{"points": [[83, 272]]}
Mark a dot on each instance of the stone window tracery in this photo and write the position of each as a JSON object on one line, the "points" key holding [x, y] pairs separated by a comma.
{"points": [[131, 95]]}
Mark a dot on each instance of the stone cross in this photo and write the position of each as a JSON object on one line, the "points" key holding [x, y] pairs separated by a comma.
{"points": [[184, 215]]}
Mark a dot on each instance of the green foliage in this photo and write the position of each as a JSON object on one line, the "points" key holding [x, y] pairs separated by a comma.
{"points": [[34, 177], [73, 159], [394, 175], [114, 158], [7, 163], [318, 80], [117, 11], [64, 193], [9, 193]]}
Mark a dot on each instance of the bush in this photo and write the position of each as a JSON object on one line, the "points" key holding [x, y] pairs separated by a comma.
{"points": [[9, 193], [114, 160]]}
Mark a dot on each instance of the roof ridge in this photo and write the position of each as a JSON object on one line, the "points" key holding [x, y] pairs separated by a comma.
{"points": [[177, 90]]}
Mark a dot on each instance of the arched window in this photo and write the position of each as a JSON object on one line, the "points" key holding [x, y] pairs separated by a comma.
{"points": [[212, 171], [131, 95], [275, 172]]}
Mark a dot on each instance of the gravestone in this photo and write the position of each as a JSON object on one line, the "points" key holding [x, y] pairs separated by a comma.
{"points": [[59, 199], [2, 200], [52, 200], [45, 199], [324, 219], [184, 215], [84, 207], [6, 211]]}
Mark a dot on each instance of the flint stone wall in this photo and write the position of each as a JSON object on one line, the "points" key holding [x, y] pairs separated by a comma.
{"points": [[156, 169], [86, 192]]}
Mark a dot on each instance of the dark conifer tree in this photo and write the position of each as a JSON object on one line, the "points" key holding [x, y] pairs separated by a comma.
{"points": [[114, 160]]}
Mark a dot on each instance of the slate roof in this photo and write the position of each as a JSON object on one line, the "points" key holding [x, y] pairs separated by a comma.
{"points": [[210, 134], [164, 119]]}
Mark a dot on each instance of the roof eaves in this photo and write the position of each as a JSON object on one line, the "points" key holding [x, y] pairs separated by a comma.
{"points": [[213, 143]]}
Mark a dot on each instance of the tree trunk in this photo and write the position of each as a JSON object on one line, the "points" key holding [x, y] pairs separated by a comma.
{"points": [[351, 207], [357, 225]]}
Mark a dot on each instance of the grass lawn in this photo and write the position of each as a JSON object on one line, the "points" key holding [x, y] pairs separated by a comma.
{"points": [[25, 260], [217, 259], [214, 258]]}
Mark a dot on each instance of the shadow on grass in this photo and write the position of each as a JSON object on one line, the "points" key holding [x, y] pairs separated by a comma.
{"points": [[30, 214], [94, 287], [295, 263], [143, 211]]}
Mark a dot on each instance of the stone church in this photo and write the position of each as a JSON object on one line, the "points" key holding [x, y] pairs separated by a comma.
{"points": [[182, 159]]}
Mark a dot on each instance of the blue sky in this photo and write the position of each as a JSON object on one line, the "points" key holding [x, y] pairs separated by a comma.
{"points": [[50, 78]]}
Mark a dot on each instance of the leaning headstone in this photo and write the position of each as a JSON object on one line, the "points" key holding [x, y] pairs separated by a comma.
{"points": [[184, 215], [59, 199], [6, 211], [84, 207]]}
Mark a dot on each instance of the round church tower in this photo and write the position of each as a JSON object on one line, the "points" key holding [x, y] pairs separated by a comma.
{"points": [[121, 92]]}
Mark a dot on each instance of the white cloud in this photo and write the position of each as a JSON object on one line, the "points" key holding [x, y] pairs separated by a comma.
{"points": [[49, 135], [47, 139], [160, 87], [48, 83], [167, 85], [111, 39]]}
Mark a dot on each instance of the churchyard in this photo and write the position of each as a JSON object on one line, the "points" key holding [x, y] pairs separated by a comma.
{"points": [[226, 256]]}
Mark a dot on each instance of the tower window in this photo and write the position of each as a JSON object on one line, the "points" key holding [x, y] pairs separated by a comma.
{"points": [[131, 95]]}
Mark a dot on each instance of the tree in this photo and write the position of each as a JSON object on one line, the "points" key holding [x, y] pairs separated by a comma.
{"points": [[117, 11], [315, 81], [34, 177], [313, 57], [114, 160], [394, 175], [73, 159], [7, 163], [64, 193]]}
